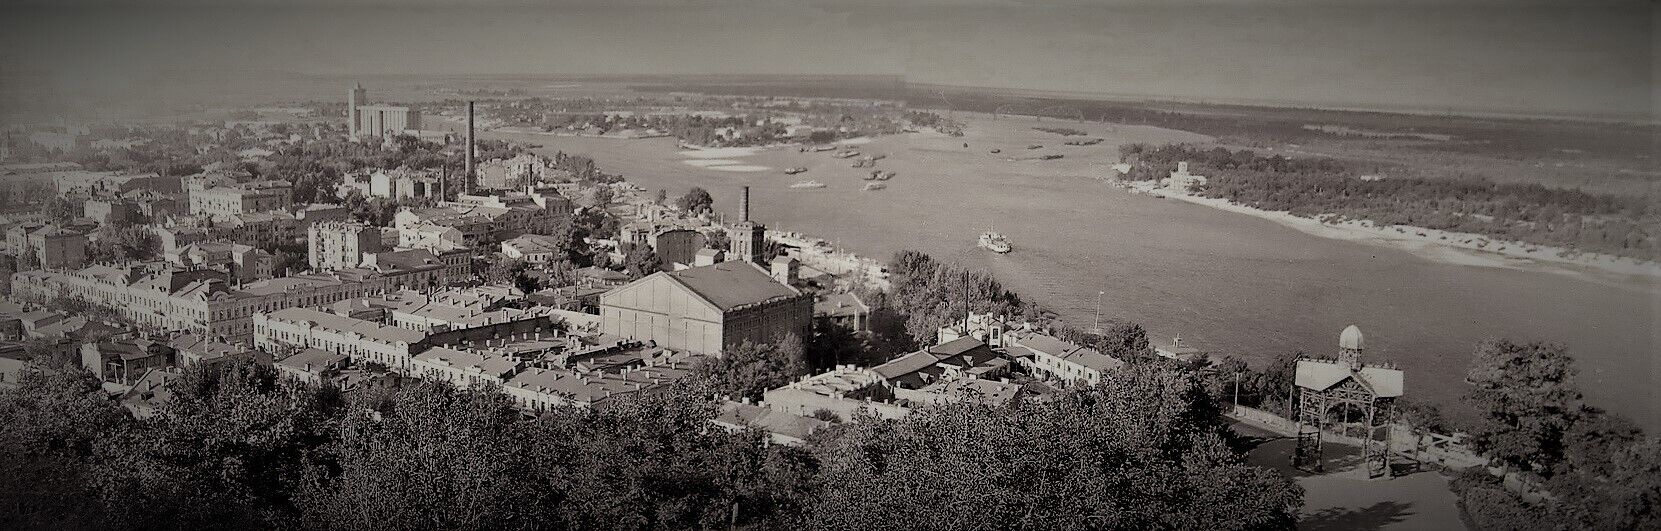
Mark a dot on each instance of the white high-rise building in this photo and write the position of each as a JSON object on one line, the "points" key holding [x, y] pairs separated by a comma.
{"points": [[364, 120]]}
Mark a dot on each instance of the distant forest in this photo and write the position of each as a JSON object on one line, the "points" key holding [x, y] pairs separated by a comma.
{"points": [[1309, 187], [1510, 138]]}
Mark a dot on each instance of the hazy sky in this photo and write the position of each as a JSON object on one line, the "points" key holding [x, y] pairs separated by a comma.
{"points": [[1540, 56]]}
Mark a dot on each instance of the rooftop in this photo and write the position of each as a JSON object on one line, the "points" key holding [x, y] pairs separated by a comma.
{"points": [[729, 285], [315, 358], [389, 334]]}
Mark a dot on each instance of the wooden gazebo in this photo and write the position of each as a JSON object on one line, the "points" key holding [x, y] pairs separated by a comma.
{"points": [[1355, 390]]}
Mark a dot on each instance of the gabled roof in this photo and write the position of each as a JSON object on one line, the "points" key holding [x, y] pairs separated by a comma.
{"points": [[737, 414], [1321, 375], [906, 364], [729, 285], [1072, 352]]}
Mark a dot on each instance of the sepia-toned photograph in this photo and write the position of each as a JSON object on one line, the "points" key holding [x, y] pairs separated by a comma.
{"points": [[830, 264]]}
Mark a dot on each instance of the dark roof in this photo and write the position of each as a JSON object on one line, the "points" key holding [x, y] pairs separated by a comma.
{"points": [[729, 285], [957, 346], [906, 364]]}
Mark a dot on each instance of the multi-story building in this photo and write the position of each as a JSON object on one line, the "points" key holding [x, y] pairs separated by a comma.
{"points": [[463, 368], [294, 329], [242, 198], [475, 228], [413, 268], [405, 183], [515, 173], [340, 244], [675, 241], [707, 309], [177, 237], [363, 119], [242, 263], [535, 248], [109, 210], [57, 248], [531, 211], [387, 120], [1050, 356], [159, 297], [430, 236], [311, 365]]}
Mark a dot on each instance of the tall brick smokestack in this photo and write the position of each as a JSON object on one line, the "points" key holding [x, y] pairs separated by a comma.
{"points": [[468, 185], [744, 205]]}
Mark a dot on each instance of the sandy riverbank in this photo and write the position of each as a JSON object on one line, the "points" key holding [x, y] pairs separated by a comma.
{"points": [[1449, 247]]}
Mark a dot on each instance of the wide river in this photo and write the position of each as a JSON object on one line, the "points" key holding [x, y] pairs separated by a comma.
{"points": [[1226, 282]]}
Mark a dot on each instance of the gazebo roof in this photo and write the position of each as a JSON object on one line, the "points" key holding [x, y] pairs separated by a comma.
{"points": [[1320, 375]]}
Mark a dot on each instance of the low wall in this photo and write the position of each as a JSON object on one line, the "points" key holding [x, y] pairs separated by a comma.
{"points": [[1430, 448]]}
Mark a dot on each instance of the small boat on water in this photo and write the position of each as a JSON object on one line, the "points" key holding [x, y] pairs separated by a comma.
{"points": [[846, 154], [883, 176], [1035, 146], [795, 170], [873, 175], [996, 151], [1052, 156], [997, 243], [808, 184], [875, 186]]}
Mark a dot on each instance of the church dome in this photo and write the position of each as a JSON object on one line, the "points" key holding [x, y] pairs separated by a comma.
{"points": [[1350, 338]]}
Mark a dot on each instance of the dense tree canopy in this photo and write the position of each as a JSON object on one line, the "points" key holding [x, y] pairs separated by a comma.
{"points": [[1145, 450], [697, 201], [1527, 397], [753, 368], [1530, 213]]}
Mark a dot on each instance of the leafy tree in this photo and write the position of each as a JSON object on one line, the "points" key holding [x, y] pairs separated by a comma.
{"points": [[752, 369], [661, 197], [1527, 397], [930, 294], [61, 210], [226, 450], [1123, 340], [697, 201], [650, 461], [1144, 450], [717, 240], [640, 261], [833, 344], [50, 425], [437, 458]]}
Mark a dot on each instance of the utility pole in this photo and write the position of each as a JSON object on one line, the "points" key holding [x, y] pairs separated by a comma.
{"points": [[1236, 391], [1098, 328]]}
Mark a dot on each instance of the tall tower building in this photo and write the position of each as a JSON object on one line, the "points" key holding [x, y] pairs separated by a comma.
{"points": [[354, 118], [747, 238], [469, 179]]}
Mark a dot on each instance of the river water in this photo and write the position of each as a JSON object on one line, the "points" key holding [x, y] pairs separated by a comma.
{"points": [[1225, 282]]}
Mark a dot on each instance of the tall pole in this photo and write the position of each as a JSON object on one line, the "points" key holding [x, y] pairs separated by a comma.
{"points": [[1099, 312], [1236, 391]]}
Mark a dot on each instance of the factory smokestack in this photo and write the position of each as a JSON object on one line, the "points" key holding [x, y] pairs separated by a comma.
{"points": [[744, 205], [468, 185]]}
